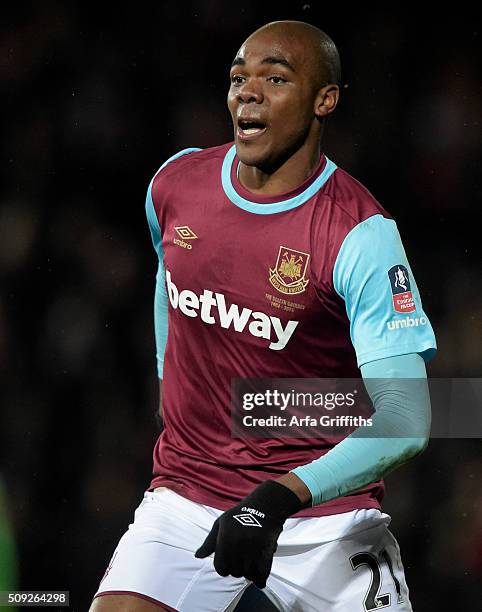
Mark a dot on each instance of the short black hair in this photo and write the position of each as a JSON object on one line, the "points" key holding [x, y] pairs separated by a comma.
{"points": [[331, 59]]}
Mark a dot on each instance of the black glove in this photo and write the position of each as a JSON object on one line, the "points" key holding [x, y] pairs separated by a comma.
{"points": [[244, 539]]}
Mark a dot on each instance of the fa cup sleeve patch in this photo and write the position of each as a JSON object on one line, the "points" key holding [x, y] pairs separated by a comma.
{"points": [[400, 284]]}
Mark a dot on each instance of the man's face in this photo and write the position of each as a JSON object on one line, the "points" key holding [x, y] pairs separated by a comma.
{"points": [[271, 98]]}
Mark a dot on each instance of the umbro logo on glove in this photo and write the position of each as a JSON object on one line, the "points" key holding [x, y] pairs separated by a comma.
{"points": [[249, 553], [248, 520]]}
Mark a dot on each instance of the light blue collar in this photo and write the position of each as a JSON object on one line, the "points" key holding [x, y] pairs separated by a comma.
{"points": [[275, 207]]}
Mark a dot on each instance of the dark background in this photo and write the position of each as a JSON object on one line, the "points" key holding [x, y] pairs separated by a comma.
{"points": [[94, 100]]}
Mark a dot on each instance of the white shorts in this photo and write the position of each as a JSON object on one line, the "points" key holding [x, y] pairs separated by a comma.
{"points": [[346, 562]]}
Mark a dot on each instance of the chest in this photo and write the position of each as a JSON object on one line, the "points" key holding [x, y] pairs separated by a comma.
{"points": [[276, 264]]}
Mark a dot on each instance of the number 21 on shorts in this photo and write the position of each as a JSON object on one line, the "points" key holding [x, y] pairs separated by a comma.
{"points": [[373, 599]]}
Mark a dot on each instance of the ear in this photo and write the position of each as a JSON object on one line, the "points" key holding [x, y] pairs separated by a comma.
{"points": [[326, 100]]}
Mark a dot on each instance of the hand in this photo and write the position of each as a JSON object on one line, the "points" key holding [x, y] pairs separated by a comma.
{"points": [[244, 539]]}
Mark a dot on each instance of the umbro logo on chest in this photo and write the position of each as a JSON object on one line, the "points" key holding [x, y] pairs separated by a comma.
{"points": [[185, 233]]}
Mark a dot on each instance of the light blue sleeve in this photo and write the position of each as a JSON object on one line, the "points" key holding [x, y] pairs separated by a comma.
{"points": [[400, 429], [383, 304], [160, 294]]}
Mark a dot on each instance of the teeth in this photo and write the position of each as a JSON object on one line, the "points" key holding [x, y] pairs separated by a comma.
{"points": [[252, 130]]}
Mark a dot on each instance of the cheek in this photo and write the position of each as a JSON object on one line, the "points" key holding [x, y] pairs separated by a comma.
{"points": [[231, 100], [291, 116]]}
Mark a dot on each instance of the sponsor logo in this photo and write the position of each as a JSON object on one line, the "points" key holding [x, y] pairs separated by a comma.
{"points": [[400, 285], [247, 520], [407, 322], [186, 233], [258, 324], [288, 275]]}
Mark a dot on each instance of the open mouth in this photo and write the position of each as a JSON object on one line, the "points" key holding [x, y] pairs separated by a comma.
{"points": [[247, 130]]}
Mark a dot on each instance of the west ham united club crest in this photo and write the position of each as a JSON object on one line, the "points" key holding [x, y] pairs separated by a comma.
{"points": [[288, 275], [400, 283]]}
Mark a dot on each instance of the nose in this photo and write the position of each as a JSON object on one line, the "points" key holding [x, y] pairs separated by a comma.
{"points": [[250, 92]]}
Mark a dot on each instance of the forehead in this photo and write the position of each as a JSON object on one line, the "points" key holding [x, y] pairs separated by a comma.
{"points": [[262, 45]]}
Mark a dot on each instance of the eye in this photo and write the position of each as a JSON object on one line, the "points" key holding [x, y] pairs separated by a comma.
{"points": [[277, 80], [237, 79]]}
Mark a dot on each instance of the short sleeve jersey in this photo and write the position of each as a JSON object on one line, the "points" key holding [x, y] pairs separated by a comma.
{"points": [[312, 283]]}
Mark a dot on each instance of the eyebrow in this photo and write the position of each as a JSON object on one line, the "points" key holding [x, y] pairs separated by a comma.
{"points": [[271, 59]]}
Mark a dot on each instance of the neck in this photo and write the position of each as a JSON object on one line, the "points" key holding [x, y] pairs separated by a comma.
{"points": [[284, 177]]}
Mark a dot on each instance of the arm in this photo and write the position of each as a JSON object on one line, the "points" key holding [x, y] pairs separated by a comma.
{"points": [[160, 329], [400, 431], [398, 389], [160, 295], [160, 298], [388, 350]]}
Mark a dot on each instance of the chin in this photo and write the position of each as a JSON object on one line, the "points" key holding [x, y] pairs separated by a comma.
{"points": [[251, 155]]}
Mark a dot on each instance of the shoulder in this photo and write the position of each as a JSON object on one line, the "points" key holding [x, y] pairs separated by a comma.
{"points": [[345, 209], [353, 200], [188, 160]]}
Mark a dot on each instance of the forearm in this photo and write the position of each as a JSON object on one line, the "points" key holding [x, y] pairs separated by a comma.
{"points": [[399, 431], [160, 319], [160, 328], [158, 414]]}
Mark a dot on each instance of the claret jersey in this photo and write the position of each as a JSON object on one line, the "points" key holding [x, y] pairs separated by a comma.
{"points": [[312, 283]]}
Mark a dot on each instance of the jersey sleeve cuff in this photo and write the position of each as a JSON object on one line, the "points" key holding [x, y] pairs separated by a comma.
{"points": [[321, 483], [426, 350]]}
